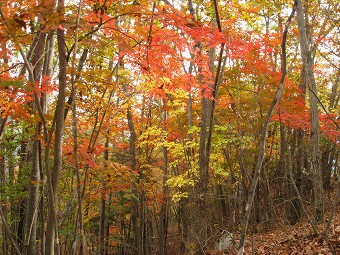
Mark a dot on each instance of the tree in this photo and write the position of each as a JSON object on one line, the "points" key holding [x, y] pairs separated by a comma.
{"points": [[307, 62]]}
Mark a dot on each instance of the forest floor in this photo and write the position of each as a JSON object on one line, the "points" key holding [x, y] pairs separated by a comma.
{"points": [[298, 239]]}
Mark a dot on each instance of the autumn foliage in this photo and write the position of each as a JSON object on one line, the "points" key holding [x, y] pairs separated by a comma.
{"points": [[164, 105]]}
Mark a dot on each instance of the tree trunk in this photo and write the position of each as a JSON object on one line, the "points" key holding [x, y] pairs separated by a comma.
{"points": [[33, 198], [79, 221], [102, 219], [262, 142], [107, 226], [48, 72], [52, 240], [293, 208], [32, 203], [298, 149], [199, 224], [135, 207], [163, 216], [18, 209], [4, 243], [307, 62], [335, 95], [297, 169]]}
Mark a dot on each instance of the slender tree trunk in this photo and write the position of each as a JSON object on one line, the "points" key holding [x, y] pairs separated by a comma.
{"points": [[307, 62], [262, 142], [48, 72], [143, 220], [222, 203], [293, 209], [33, 198], [133, 166], [17, 209], [298, 149], [79, 221], [52, 239], [107, 226], [184, 207], [326, 165], [4, 239], [32, 203], [199, 218], [330, 152], [163, 218], [102, 220], [335, 95]]}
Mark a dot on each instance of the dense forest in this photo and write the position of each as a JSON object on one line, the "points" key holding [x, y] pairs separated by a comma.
{"points": [[141, 127]]}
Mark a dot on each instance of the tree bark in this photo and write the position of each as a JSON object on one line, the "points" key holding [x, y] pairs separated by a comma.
{"points": [[32, 203], [79, 219], [48, 72], [4, 241], [52, 239], [33, 198], [293, 208], [163, 217], [102, 219], [133, 165], [307, 61]]}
